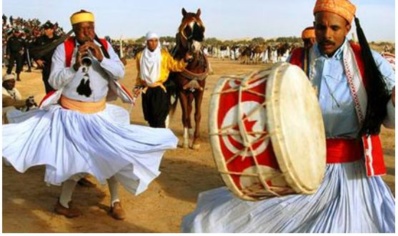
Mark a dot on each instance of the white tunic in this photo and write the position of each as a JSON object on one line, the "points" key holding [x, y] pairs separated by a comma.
{"points": [[103, 144]]}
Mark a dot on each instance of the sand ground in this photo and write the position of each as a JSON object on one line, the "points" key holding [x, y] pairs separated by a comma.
{"points": [[28, 202]]}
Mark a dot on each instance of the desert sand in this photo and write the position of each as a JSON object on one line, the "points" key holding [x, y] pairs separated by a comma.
{"points": [[28, 202]]}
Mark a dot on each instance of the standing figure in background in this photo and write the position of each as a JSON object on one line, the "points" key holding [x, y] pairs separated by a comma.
{"points": [[27, 37], [14, 52], [308, 37], [44, 61], [153, 67], [4, 18]]}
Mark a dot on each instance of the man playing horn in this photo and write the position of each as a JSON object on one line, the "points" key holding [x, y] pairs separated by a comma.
{"points": [[77, 133]]}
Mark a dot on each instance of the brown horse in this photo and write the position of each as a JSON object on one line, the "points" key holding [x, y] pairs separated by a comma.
{"points": [[190, 83]]}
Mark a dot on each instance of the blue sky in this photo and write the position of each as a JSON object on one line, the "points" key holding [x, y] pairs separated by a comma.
{"points": [[224, 19]]}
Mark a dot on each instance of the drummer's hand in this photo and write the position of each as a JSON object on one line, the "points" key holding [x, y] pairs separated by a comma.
{"points": [[393, 96]]}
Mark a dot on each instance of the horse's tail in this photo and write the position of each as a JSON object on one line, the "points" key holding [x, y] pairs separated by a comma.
{"points": [[173, 105], [172, 90]]}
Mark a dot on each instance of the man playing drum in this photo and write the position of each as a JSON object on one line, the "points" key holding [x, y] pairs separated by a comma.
{"points": [[352, 197]]}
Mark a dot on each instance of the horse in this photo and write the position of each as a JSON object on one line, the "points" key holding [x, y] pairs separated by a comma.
{"points": [[283, 49], [258, 52], [190, 83], [245, 54]]}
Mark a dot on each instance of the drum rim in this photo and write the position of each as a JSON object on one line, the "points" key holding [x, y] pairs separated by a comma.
{"points": [[215, 143]]}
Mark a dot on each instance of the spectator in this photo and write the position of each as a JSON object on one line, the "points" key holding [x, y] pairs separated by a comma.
{"points": [[14, 52], [44, 61], [12, 98]]}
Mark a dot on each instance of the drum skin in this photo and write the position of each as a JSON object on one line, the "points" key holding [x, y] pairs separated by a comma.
{"points": [[266, 133], [296, 124]]}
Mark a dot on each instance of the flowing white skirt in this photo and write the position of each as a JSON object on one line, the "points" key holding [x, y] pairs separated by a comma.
{"points": [[346, 202], [102, 144]]}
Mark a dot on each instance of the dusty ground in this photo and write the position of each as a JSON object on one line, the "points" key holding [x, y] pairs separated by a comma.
{"points": [[28, 202]]}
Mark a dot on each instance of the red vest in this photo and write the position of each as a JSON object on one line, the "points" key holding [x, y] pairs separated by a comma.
{"points": [[372, 148], [115, 89], [69, 45]]}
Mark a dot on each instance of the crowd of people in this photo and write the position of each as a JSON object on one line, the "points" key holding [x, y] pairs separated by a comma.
{"points": [[19, 37], [355, 89]]}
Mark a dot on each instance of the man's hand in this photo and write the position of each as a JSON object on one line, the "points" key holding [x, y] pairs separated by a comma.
{"points": [[188, 57], [30, 102], [40, 63], [137, 91], [93, 48]]}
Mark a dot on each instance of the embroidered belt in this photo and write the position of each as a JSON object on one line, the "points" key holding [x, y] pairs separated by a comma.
{"points": [[83, 107], [343, 150], [154, 85]]}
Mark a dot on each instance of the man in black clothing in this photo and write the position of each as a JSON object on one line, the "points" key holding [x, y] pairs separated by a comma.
{"points": [[4, 17], [14, 52], [44, 61], [26, 56]]}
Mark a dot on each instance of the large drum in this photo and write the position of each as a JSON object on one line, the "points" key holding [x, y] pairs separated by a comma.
{"points": [[267, 134]]}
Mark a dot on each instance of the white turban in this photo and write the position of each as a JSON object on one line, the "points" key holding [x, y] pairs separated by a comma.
{"points": [[151, 35], [8, 77]]}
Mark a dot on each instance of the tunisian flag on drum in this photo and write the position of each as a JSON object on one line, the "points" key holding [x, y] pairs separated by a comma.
{"points": [[267, 133]]}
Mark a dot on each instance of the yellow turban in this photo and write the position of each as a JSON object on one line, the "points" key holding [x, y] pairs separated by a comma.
{"points": [[343, 8], [81, 16], [308, 33]]}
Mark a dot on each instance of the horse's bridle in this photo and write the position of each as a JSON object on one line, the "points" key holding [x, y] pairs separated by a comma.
{"points": [[191, 24], [187, 40]]}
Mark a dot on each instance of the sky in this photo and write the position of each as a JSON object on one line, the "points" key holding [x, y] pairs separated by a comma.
{"points": [[224, 19]]}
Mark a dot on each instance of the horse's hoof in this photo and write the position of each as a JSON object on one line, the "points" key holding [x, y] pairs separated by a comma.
{"points": [[195, 146], [182, 144]]}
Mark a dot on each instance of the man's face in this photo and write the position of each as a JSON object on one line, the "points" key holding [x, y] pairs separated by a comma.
{"points": [[152, 44], [84, 31], [49, 32], [9, 84], [330, 31]]}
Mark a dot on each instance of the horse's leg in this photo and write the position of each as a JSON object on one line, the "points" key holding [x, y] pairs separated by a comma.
{"points": [[167, 121], [183, 102], [198, 117], [189, 121]]}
